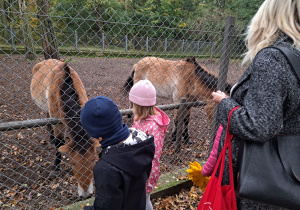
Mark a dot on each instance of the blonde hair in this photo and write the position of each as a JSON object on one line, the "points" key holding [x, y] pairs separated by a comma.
{"points": [[272, 18], [143, 112]]}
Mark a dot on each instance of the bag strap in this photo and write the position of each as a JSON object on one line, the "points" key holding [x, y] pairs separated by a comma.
{"points": [[229, 137], [221, 159], [291, 57]]}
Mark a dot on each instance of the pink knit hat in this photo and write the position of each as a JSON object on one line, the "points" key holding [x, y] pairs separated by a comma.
{"points": [[143, 93]]}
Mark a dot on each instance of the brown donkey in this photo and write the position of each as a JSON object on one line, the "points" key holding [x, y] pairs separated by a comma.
{"points": [[176, 80], [57, 89]]}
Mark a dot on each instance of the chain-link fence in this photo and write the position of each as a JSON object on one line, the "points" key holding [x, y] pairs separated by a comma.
{"points": [[103, 52]]}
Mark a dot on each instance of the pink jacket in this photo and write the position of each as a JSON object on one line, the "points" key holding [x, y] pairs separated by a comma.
{"points": [[209, 166], [157, 126]]}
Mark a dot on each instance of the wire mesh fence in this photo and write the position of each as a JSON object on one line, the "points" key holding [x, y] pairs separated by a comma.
{"points": [[103, 53]]}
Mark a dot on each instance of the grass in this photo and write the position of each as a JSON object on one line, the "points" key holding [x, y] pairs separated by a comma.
{"points": [[112, 52]]}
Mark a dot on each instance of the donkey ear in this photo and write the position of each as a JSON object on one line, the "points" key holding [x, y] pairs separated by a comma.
{"points": [[64, 149]]}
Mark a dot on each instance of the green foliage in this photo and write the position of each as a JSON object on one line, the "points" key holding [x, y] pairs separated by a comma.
{"points": [[199, 20], [244, 10]]}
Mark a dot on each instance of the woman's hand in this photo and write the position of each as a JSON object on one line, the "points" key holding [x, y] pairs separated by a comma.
{"points": [[218, 96]]}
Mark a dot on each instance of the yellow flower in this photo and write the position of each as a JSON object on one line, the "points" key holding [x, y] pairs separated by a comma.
{"points": [[194, 174]]}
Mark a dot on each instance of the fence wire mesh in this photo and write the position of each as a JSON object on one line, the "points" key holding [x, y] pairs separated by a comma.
{"points": [[102, 48]]}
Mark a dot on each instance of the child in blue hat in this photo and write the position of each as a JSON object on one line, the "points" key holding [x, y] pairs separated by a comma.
{"points": [[125, 160]]}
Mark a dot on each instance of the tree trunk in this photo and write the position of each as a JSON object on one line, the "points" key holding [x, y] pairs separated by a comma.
{"points": [[14, 7], [98, 13], [27, 32], [5, 33], [98, 10], [49, 41]]}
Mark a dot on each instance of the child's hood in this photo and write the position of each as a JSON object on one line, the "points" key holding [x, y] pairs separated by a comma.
{"points": [[162, 119], [134, 159]]}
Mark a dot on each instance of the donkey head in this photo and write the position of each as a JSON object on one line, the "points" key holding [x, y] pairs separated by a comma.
{"points": [[83, 164]]}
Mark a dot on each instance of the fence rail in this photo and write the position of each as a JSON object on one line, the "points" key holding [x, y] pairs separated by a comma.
{"points": [[15, 125]]}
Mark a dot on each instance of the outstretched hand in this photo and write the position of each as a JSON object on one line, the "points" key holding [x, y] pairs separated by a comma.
{"points": [[218, 96]]}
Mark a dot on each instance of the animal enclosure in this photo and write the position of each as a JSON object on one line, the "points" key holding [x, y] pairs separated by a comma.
{"points": [[27, 180]]}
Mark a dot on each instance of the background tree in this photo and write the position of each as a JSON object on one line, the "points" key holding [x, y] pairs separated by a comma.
{"points": [[244, 10], [27, 31], [88, 20], [49, 42], [5, 30]]}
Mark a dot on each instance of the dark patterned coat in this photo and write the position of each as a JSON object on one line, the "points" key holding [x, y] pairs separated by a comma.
{"points": [[269, 96], [121, 174]]}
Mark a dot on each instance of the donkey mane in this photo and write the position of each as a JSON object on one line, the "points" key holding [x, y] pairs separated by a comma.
{"points": [[129, 82], [207, 78], [72, 109]]}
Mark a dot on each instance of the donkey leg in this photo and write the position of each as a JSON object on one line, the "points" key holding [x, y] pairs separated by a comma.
{"points": [[58, 142], [174, 130], [185, 133], [186, 120], [56, 165], [130, 107], [51, 131]]}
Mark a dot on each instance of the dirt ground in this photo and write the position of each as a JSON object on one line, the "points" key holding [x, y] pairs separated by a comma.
{"points": [[26, 155]]}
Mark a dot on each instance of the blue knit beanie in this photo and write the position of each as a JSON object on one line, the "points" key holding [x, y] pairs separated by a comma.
{"points": [[101, 117]]}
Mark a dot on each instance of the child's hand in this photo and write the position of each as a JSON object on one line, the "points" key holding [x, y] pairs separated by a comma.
{"points": [[218, 96]]}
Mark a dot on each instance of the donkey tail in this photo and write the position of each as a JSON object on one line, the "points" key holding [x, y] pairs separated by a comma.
{"points": [[71, 107], [129, 82]]}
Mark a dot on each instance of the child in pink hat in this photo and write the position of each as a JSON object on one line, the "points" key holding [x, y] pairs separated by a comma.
{"points": [[152, 121]]}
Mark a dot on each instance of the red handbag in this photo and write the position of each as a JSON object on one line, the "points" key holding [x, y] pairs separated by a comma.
{"points": [[216, 196]]}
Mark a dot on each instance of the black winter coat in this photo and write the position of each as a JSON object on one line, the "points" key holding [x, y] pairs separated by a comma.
{"points": [[120, 176]]}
